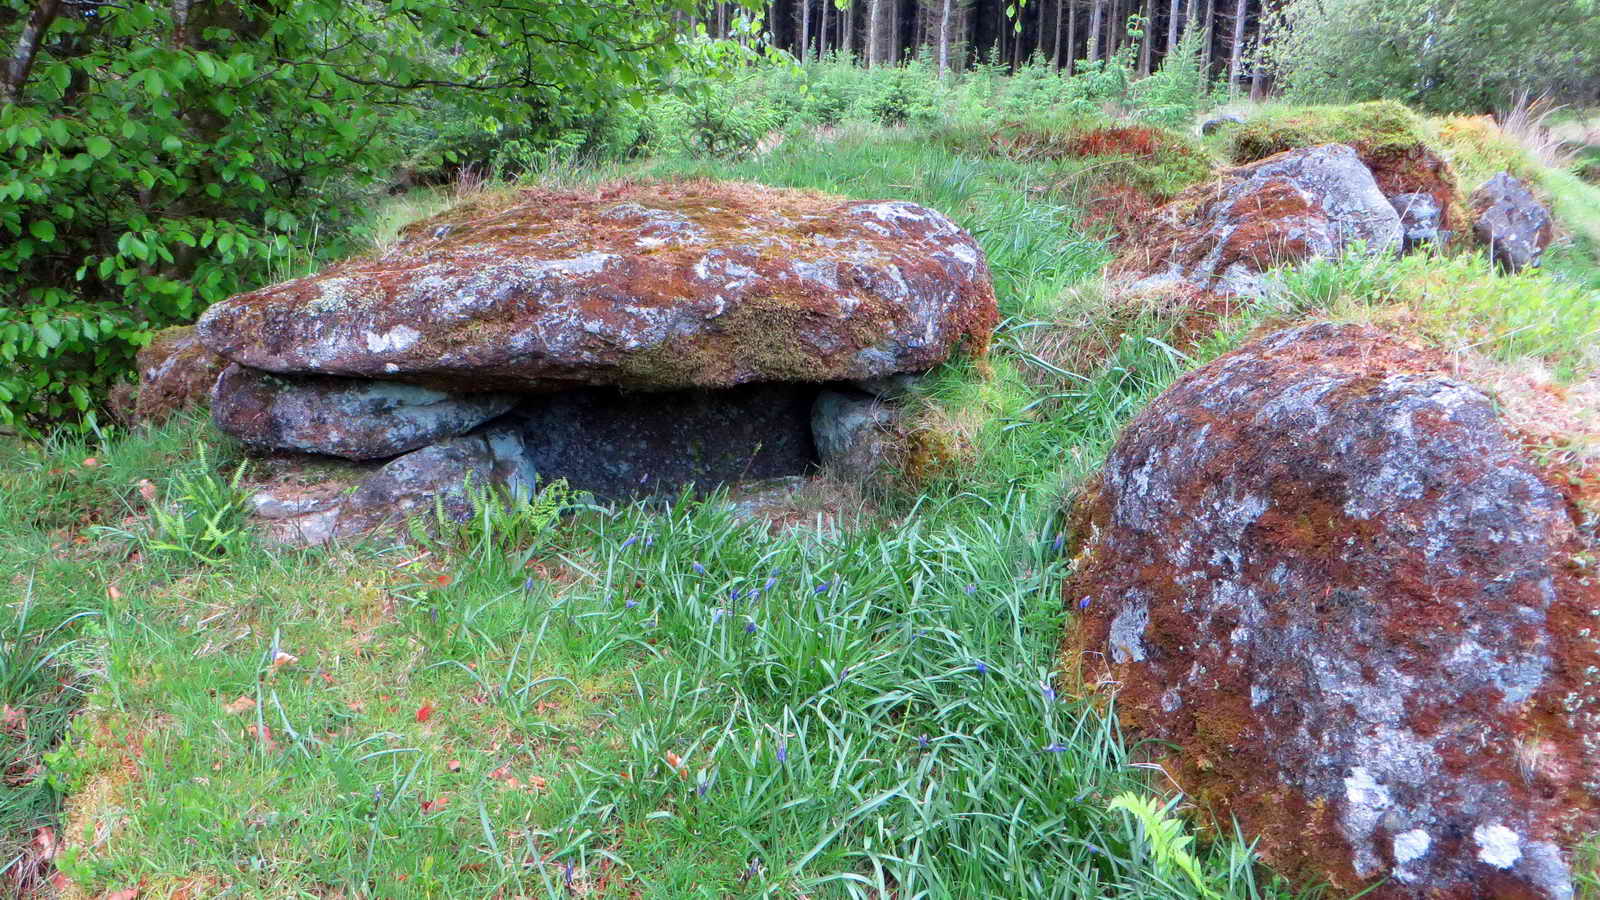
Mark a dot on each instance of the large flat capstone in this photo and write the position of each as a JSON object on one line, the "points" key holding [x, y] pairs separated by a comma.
{"points": [[650, 287]]}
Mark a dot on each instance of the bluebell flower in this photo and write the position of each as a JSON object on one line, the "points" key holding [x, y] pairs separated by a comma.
{"points": [[754, 593], [783, 752], [649, 540], [981, 667], [702, 787], [1084, 603], [750, 627], [822, 588], [1061, 540], [698, 569], [922, 742], [770, 583], [527, 583], [1055, 747], [716, 615], [632, 539], [733, 594], [1049, 692], [631, 603], [971, 589], [569, 873]]}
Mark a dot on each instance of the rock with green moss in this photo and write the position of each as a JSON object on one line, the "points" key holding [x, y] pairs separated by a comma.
{"points": [[641, 286]]}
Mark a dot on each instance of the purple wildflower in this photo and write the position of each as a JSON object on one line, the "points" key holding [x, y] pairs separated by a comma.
{"points": [[698, 569], [922, 742], [702, 787], [971, 589], [632, 539], [649, 540], [631, 603], [1049, 692], [1084, 603], [750, 627], [717, 614], [982, 668], [754, 593], [783, 752], [1055, 747], [734, 594], [1061, 540], [822, 588], [527, 583], [771, 582], [569, 873]]}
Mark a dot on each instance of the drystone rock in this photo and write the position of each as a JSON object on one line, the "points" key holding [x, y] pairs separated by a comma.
{"points": [[1325, 579], [348, 417], [176, 372], [1511, 222], [1303, 204], [654, 287], [617, 444], [1421, 221], [855, 434], [1213, 125], [438, 476]]}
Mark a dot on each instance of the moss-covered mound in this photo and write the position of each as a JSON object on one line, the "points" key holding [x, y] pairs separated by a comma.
{"points": [[1392, 140]]}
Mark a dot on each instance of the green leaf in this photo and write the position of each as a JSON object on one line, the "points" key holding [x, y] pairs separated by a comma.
{"points": [[43, 230], [98, 146]]}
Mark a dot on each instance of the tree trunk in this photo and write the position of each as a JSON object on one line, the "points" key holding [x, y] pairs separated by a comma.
{"points": [[847, 29], [874, 9], [805, 30], [1172, 27], [1149, 37], [1210, 37], [822, 30], [944, 36], [1238, 47], [1055, 56], [1095, 7], [21, 62]]}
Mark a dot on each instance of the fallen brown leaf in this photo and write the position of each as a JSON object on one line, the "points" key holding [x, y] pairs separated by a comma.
{"points": [[240, 705]]}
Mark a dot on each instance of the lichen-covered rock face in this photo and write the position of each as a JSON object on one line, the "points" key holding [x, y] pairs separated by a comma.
{"points": [[855, 435], [1421, 221], [439, 476], [1511, 222], [1303, 204], [618, 445], [176, 371], [1323, 577], [349, 417], [645, 286]]}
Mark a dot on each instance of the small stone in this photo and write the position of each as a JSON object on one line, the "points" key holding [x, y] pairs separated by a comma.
{"points": [[1420, 221], [1514, 225]]}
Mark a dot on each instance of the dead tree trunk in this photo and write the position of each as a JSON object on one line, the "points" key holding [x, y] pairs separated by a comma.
{"points": [[1172, 27], [1095, 12]]}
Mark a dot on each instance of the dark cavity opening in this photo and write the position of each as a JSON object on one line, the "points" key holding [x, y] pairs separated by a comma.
{"points": [[617, 444]]}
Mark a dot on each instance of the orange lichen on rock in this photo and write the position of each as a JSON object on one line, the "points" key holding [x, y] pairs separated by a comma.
{"points": [[1327, 581], [654, 286]]}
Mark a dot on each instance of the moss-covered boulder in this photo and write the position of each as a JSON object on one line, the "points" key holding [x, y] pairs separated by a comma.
{"points": [[176, 372], [1220, 236], [1391, 139], [645, 286], [1351, 613]]}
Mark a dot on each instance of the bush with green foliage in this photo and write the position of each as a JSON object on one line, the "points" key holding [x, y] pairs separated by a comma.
{"points": [[1457, 56]]}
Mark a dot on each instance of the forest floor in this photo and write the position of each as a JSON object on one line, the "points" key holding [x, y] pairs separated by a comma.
{"points": [[660, 700]]}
